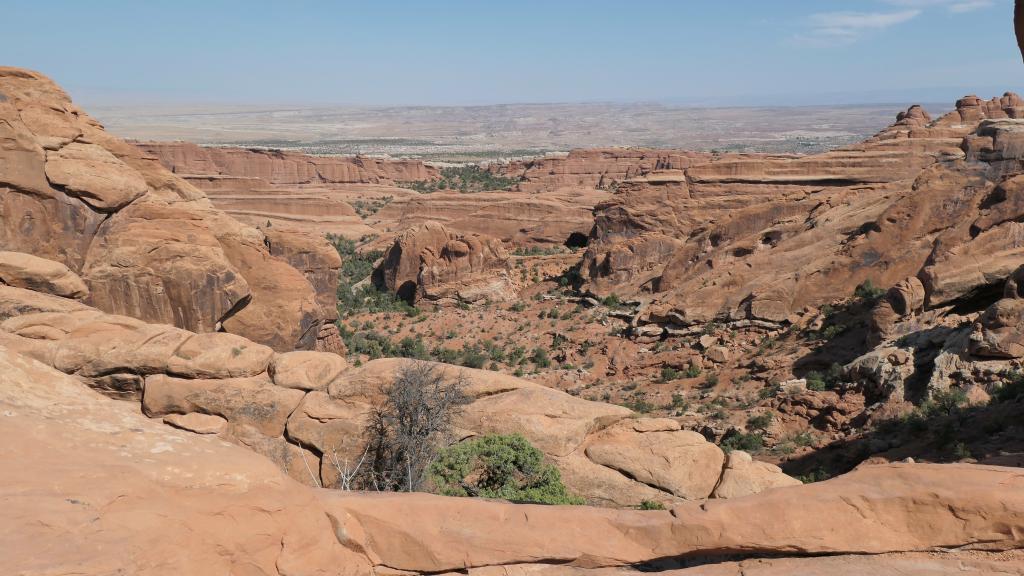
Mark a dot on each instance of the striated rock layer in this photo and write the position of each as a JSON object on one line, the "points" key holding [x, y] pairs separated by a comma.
{"points": [[146, 243], [280, 167]]}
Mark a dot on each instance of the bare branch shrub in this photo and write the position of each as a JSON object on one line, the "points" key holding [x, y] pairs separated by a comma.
{"points": [[412, 422]]}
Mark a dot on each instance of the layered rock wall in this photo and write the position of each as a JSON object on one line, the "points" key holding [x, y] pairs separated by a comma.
{"points": [[146, 243]]}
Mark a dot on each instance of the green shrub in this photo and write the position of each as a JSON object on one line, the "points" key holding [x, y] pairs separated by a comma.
{"points": [[473, 356], [711, 380], [651, 505], [612, 301], [815, 381], [944, 402], [499, 466], [668, 374], [638, 403], [540, 358], [750, 442], [868, 291], [692, 371], [1011, 390], [824, 381], [759, 422]]}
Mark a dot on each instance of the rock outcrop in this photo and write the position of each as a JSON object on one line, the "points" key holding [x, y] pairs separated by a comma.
{"points": [[357, 197], [757, 237], [146, 243], [27, 271], [281, 167], [432, 263], [90, 485], [603, 168]]}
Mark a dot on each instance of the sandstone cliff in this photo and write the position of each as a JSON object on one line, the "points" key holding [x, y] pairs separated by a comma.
{"points": [[761, 238], [146, 243], [280, 167]]}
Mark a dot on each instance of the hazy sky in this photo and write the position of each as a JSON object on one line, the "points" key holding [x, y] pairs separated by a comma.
{"points": [[466, 52]]}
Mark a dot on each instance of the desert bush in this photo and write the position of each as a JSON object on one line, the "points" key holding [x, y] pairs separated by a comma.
{"points": [[651, 505], [669, 373], [1012, 388], [499, 466], [868, 291], [692, 371], [759, 422], [410, 424], [750, 442], [540, 358]]}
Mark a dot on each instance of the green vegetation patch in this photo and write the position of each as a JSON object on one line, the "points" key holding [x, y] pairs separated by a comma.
{"points": [[499, 466], [469, 178]]}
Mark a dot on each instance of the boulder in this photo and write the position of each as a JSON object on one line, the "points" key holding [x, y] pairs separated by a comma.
{"points": [[306, 370], [41, 275], [19, 301], [219, 355], [117, 481], [744, 476], [313, 256], [680, 462], [999, 332], [127, 495], [145, 243]]}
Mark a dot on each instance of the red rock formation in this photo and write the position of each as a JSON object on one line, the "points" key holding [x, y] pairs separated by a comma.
{"points": [[433, 263], [280, 167], [94, 487], [762, 237], [595, 168], [146, 243], [307, 411]]}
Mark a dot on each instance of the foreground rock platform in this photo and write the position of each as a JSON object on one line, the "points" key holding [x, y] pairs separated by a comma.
{"points": [[89, 485]]}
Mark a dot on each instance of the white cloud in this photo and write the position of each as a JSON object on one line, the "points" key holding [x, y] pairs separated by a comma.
{"points": [[840, 28], [846, 27], [953, 6], [852, 22], [969, 6]]}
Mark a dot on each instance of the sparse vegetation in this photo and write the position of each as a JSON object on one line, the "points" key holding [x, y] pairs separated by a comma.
{"points": [[468, 178], [356, 268], [759, 422]]}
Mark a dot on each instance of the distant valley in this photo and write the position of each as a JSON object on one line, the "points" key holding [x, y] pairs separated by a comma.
{"points": [[503, 132]]}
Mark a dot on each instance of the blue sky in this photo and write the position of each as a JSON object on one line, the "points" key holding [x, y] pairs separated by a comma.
{"points": [[481, 52]]}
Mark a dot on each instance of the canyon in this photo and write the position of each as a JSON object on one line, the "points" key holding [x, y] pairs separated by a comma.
{"points": [[739, 363]]}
